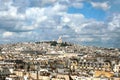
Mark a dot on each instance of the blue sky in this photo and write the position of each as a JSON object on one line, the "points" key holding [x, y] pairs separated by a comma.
{"points": [[88, 11], [86, 22]]}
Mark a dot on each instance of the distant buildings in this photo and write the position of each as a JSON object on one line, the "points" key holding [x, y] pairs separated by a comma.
{"points": [[58, 60]]}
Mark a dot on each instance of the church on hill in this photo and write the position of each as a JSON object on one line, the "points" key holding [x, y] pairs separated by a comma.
{"points": [[59, 40]]}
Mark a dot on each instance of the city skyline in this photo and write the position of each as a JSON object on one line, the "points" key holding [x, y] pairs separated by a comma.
{"points": [[86, 22]]}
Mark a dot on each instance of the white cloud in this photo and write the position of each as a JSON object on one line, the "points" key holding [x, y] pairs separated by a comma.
{"points": [[66, 19], [105, 38], [102, 5], [48, 1], [49, 19], [7, 34], [83, 39], [77, 5], [115, 22]]}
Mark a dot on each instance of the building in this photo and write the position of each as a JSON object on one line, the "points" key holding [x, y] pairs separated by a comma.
{"points": [[103, 74], [59, 40], [117, 68]]}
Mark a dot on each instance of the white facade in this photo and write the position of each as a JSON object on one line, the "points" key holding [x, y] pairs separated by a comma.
{"points": [[59, 40], [116, 68]]}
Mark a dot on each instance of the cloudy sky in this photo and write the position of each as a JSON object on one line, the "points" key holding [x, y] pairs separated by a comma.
{"points": [[86, 22]]}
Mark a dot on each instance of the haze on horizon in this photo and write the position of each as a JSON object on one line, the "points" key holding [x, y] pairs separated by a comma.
{"points": [[86, 22]]}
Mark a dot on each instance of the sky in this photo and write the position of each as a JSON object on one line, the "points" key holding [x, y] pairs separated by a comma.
{"points": [[85, 22]]}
